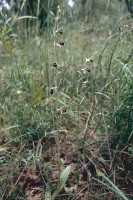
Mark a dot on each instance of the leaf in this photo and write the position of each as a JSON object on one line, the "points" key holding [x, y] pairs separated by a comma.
{"points": [[112, 187], [26, 17], [62, 181], [39, 94], [47, 193]]}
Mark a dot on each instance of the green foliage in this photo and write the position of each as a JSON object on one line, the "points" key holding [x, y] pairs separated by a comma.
{"points": [[123, 116], [39, 94]]}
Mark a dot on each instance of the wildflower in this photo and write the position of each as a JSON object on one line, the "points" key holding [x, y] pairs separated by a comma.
{"points": [[53, 90], [89, 60], [62, 110], [59, 44], [58, 30], [55, 64], [86, 83], [85, 70]]}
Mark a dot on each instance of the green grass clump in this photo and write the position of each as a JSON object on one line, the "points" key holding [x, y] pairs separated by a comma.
{"points": [[124, 116]]}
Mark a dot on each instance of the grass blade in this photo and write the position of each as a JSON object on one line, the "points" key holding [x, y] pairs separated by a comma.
{"points": [[114, 187]]}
